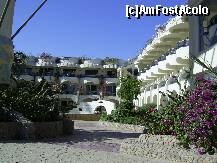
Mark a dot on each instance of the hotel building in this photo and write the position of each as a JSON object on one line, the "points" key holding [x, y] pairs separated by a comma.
{"points": [[88, 84], [166, 60]]}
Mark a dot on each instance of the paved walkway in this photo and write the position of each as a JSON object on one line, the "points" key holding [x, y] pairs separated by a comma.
{"points": [[90, 143]]}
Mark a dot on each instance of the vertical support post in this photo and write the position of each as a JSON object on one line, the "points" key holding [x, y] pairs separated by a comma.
{"points": [[158, 96], [151, 93], [6, 45]]}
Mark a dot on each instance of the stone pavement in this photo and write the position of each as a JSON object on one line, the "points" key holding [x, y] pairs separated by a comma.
{"points": [[90, 143]]}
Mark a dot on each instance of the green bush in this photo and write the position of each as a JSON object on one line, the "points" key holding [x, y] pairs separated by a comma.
{"points": [[36, 101], [104, 117], [124, 113], [129, 120], [130, 89]]}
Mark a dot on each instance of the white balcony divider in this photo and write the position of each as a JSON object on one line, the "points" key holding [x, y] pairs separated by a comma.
{"points": [[69, 79], [89, 80]]}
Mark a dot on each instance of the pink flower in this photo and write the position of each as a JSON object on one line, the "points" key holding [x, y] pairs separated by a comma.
{"points": [[199, 76]]}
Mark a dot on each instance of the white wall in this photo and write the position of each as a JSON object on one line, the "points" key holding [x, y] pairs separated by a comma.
{"points": [[209, 57], [89, 107]]}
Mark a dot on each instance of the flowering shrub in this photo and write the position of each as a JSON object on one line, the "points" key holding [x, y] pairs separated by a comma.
{"points": [[198, 117], [191, 116], [146, 114]]}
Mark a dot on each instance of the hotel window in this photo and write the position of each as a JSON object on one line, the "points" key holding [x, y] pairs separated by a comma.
{"points": [[64, 103], [69, 72], [69, 89], [111, 90], [46, 71], [112, 74], [28, 71], [91, 72], [91, 90], [213, 20], [209, 32]]}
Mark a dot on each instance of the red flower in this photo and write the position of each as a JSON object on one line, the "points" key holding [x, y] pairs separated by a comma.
{"points": [[151, 110]]}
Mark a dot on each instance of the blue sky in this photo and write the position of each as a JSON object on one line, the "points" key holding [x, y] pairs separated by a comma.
{"points": [[92, 28]]}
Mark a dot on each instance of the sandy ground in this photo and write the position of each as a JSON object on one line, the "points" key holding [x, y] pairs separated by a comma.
{"points": [[90, 143]]}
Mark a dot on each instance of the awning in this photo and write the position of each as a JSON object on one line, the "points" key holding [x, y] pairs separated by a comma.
{"points": [[89, 80], [110, 81], [69, 79]]}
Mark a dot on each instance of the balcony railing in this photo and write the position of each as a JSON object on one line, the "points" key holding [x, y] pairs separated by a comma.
{"points": [[171, 51], [90, 65], [114, 66], [92, 92], [210, 38], [67, 92], [162, 29], [110, 76], [91, 76], [109, 93], [67, 75]]}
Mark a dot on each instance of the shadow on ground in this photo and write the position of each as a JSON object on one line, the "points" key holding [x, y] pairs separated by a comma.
{"points": [[89, 135]]}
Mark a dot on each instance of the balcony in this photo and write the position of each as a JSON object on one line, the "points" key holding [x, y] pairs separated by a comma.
{"points": [[149, 59], [208, 56], [88, 98], [210, 38], [69, 96], [47, 78], [166, 37], [89, 80], [110, 66], [93, 63], [46, 62], [110, 81], [26, 77], [166, 65], [31, 61], [69, 62], [69, 79], [92, 93], [107, 93], [90, 65]]}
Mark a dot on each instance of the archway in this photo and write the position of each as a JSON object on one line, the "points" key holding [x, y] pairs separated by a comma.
{"points": [[148, 100], [100, 110], [155, 99], [163, 101]]}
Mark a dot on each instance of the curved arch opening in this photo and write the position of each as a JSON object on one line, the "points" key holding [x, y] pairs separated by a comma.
{"points": [[155, 99], [148, 100], [100, 110]]}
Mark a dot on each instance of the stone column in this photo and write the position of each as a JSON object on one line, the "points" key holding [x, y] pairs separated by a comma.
{"points": [[158, 96], [6, 45], [151, 93], [145, 101], [167, 84]]}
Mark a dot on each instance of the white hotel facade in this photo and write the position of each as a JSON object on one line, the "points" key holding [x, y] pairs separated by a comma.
{"points": [[166, 57], [88, 84]]}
